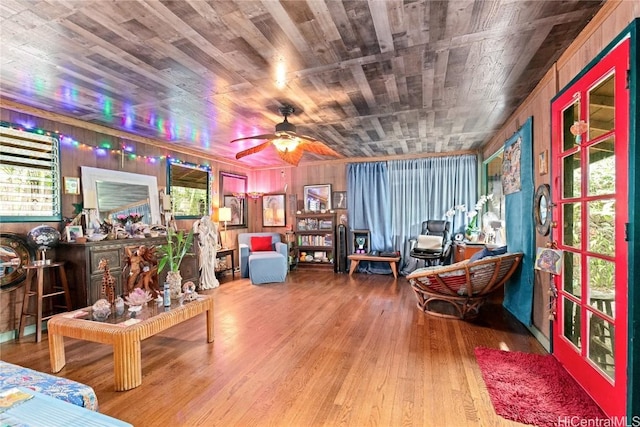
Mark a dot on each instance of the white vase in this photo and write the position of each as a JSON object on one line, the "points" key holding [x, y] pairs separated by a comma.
{"points": [[175, 284]]}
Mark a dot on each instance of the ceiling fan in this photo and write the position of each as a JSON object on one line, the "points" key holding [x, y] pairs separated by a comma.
{"points": [[289, 145]]}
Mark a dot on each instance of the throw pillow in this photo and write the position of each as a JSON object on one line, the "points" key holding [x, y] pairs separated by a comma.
{"points": [[488, 252], [261, 244], [429, 242]]}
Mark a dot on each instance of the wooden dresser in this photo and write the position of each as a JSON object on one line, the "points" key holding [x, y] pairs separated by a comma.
{"points": [[82, 260]]}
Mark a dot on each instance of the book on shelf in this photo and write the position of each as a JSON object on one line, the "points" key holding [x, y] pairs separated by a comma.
{"points": [[326, 224]]}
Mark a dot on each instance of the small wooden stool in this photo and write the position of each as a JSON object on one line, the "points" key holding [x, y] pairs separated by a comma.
{"points": [[35, 273]]}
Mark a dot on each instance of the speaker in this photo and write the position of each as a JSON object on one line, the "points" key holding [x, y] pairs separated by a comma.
{"points": [[340, 265]]}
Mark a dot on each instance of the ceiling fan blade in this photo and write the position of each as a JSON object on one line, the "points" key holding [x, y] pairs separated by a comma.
{"points": [[265, 136], [253, 150], [292, 157], [316, 147]]}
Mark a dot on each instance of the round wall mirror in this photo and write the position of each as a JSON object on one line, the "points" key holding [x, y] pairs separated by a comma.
{"points": [[541, 209], [14, 255]]}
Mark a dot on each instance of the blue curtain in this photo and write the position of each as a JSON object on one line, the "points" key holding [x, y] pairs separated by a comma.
{"points": [[518, 292], [367, 195], [392, 199], [423, 189]]}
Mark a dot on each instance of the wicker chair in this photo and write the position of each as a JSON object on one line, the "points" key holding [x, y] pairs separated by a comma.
{"points": [[464, 285]]}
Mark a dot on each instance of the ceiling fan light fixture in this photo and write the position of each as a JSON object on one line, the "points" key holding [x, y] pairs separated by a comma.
{"points": [[286, 144]]}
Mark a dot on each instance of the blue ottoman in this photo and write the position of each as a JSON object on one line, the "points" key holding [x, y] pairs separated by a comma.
{"points": [[267, 267]]}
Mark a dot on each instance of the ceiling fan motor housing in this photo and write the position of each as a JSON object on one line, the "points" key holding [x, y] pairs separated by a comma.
{"points": [[285, 126]]}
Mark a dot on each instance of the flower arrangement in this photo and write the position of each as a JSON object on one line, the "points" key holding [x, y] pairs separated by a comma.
{"points": [[135, 217], [122, 219], [472, 216]]}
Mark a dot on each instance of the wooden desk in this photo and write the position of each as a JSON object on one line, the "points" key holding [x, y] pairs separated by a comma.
{"points": [[124, 333], [356, 258]]}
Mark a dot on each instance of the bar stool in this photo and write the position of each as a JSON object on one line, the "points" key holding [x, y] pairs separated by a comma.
{"points": [[34, 287]]}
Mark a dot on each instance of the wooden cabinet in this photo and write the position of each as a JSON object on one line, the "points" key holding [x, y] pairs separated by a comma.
{"points": [[462, 251], [85, 279], [315, 240]]}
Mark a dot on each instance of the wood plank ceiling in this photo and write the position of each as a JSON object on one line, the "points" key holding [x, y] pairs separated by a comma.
{"points": [[369, 78]]}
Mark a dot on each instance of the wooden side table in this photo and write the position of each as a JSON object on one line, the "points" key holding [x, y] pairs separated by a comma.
{"points": [[464, 250], [356, 258], [223, 253]]}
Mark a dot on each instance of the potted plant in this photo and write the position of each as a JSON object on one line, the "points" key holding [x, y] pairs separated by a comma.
{"points": [[171, 256]]}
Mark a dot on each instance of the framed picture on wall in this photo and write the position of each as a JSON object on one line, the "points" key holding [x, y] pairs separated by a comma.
{"points": [[71, 185], [273, 210], [237, 209], [543, 162], [339, 200]]}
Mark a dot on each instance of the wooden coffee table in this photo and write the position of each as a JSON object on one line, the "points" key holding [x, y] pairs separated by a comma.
{"points": [[356, 258], [124, 333]]}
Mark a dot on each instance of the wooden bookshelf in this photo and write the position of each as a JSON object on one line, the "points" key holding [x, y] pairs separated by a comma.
{"points": [[315, 239]]}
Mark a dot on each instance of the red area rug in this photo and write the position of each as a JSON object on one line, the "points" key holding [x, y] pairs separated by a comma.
{"points": [[533, 389]]}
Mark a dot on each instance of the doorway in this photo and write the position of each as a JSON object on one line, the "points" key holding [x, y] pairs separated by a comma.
{"points": [[590, 149]]}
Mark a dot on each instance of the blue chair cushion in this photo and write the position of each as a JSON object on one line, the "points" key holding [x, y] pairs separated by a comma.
{"points": [[488, 252]]}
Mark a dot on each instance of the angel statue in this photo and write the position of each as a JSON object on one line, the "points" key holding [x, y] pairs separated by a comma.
{"points": [[207, 243]]}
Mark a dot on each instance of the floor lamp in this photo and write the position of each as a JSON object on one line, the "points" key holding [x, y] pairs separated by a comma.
{"points": [[224, 215]]}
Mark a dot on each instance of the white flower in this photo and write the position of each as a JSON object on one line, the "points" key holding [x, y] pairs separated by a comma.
{"points": [[451, 212]]}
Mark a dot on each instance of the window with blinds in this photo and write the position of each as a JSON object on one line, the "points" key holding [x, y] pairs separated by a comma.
{"points": [[29, 176]]}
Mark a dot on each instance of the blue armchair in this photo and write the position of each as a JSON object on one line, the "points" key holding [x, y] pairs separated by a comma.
{"points": [[263, 265]]}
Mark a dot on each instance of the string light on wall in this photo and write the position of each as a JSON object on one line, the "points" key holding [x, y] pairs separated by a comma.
{"points": [[101, 150], [175, 161]]}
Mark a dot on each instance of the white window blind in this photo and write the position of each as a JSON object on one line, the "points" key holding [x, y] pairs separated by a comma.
{"points": [[29, 176]]}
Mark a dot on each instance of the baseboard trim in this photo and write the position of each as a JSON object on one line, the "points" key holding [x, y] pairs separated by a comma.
{"points": [[13, 334]]}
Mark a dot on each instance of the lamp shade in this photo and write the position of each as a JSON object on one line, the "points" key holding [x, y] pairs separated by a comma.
{"points": [[90, 200], [224, 214]]}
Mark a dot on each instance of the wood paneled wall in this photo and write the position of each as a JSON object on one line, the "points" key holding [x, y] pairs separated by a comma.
{"points": [[604, 27], [287, 180]]}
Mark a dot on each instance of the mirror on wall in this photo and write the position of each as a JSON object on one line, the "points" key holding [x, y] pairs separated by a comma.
{"points": [[113, 192], [233, 191], [317, 198], [188, 185], [15, 254]]}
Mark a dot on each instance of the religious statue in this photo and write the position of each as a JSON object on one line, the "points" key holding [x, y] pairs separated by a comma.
{"points": [[207, 243]]}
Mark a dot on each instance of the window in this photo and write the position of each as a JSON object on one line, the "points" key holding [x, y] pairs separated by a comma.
{"points": [[188, 186], [29, 176]]}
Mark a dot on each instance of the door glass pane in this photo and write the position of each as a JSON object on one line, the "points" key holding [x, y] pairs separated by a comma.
{"points": [[571, 322], [572, 176], [602, 171], [601, 337], [602, 291], [572, 281], [601, 224], [601, 108], [569, 117], [572, 224]]}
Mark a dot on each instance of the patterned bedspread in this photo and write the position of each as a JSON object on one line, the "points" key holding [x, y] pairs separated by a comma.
{"points": [[60, 388]]}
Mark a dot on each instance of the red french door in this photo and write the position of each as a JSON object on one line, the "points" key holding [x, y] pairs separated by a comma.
{"points": [[590, 148]]}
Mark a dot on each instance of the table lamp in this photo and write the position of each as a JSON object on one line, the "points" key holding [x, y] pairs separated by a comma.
{"points": [[224, 215]]}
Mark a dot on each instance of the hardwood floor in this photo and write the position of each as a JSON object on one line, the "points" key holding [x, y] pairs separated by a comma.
{"points": [[321, 349]]}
